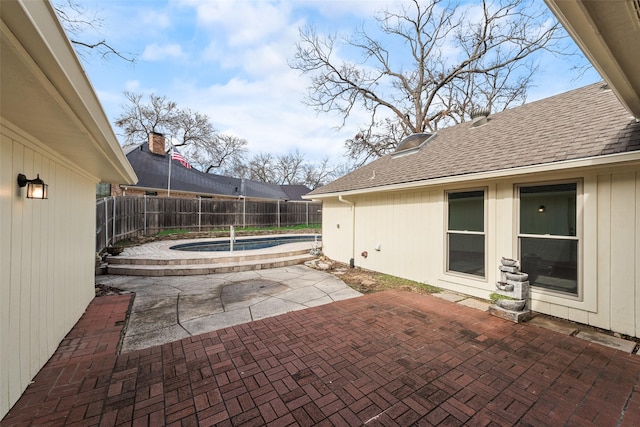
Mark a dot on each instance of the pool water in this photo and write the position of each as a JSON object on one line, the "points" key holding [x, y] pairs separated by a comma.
{"points": [[243, 244]]}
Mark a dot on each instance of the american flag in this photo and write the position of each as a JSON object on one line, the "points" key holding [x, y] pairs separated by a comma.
{"points": [[179, 157]]}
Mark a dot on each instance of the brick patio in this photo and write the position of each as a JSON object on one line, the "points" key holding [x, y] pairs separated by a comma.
{"points": [[392, 358]]}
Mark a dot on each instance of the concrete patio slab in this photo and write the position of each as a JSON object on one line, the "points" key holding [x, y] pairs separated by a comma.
{"points": [[199, 305], [449, 296], [153, 337], [177, 306], [274, 307], [217, 321], [474, 303], [556, 325], [608, 340]]}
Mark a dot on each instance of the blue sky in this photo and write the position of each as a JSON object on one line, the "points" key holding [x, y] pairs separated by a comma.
{"points": [[229, 60]]}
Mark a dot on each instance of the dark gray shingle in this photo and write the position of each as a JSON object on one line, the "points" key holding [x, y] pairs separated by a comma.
{"points": [[581, 123]]}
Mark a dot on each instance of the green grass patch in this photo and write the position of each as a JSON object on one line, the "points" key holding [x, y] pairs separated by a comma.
{"points": [[496, 296], [288, 227], [172, 231], [392, 282], [315, 227]]}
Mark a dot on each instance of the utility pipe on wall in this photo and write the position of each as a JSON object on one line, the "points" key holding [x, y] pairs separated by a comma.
{"points": [[353, 227]]}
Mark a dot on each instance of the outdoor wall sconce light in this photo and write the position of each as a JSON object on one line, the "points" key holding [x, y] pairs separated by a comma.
{"points": [[36, 188], [541, 209]]}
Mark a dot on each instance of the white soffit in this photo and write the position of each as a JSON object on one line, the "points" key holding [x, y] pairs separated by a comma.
{"points": [[608, 32], [46, 93]]}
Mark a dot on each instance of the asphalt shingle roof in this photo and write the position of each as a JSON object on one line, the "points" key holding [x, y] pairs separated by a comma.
{"points": [[153, 171], [582, 123]]}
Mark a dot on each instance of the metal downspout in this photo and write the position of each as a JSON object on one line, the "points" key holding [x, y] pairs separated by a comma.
{"points": [[353, 228]]}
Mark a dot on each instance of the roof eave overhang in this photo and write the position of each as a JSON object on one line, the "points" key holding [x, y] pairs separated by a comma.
{"points": [[608, 33], [619, 159], [46, 93]]}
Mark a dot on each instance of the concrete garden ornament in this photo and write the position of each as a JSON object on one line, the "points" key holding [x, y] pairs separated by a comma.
{"points": [[316, 247], [512, 292]]}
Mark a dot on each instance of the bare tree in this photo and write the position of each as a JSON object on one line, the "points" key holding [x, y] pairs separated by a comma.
{"points": [[188, 127], [76, 20], [428, 66], [140, 118], [316, 175], [261, 168], [290, 169], [223, 156], [203, 146]]}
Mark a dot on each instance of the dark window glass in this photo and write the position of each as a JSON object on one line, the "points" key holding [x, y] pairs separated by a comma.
{"points": [[551, 263], [466, 253], [548, 242], [466, 211], [465, 234], [548, 209]]}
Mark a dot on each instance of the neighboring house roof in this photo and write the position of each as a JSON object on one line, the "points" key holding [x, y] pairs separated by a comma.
{"points": [[45, 90], [295, 192], [580, 124], [153, 172]]}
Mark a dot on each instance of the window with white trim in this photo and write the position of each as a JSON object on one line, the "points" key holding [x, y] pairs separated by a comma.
{"points": [[465, 232], [548, 238]]}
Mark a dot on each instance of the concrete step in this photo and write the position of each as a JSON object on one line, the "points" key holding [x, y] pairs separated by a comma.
{"points": [[212, 267], [224, 259]]}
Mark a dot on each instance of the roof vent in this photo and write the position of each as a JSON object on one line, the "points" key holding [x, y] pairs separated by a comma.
{"points": [[413, 142], [479, 116]]}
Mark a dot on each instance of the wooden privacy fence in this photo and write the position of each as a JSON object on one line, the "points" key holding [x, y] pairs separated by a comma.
{"points": [[121, 217]]}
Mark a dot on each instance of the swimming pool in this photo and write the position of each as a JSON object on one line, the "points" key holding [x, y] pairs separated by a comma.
{"points": [[245, 244]]}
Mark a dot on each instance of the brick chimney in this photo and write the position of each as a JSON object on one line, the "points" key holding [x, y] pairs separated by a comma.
{"points": [[156, 143]]}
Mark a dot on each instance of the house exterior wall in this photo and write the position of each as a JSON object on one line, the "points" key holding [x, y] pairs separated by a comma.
{"points": [[409, 228], [46, 258]]}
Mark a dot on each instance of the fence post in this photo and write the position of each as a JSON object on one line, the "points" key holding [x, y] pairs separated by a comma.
{"points": [[199, 213], [244, 212], [307, 203], [113, 235], [278, 213], [145, 215], [106, 221]]}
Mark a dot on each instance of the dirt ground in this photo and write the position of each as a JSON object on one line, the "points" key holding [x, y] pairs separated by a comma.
{"points": [[368, 282]]}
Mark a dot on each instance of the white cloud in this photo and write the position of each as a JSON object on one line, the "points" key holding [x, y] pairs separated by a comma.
{"points": [[132, 85], [154, 20], [353, 8], [242, 79], [155, 52], [269, 114], [244, 22]]}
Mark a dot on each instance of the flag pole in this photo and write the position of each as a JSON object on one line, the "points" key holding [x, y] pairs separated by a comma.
{"points": [[169, 179]]}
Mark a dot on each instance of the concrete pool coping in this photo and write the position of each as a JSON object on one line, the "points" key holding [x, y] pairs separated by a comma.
{"points": [[158, 259], [162, 248], [240, 242]]}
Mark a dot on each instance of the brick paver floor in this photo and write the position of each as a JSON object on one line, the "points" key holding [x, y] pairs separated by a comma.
{"points": [[392, 358]]}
